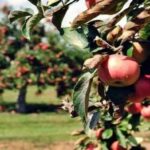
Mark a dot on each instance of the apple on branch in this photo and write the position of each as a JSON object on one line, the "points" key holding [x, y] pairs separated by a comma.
{"points": [[119, 70]]}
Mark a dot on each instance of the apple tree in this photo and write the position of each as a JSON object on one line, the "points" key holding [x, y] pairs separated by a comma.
{"points": [[112, 95], [42, 62]]}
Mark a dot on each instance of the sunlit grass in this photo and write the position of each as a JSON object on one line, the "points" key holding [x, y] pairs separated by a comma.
{"points": [[36, 127]]}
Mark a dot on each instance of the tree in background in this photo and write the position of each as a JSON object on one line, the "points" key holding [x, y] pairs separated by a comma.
{"points": [[41, 62]]}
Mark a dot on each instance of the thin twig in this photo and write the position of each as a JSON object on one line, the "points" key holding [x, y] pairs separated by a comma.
{"points": [[102, 43], [55, 9]]}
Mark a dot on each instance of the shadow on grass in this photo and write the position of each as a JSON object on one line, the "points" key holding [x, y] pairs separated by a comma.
{"points": [[31, 108]]}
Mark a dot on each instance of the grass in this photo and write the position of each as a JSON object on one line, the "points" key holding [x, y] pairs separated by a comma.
{"points": [[47, 97], [44, 128], [36, 127]]}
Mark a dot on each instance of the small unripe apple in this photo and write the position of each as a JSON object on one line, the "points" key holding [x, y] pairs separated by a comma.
{"points": [[116, 146], [134, 108], [119, 70], [145, 112], [142, 89]]}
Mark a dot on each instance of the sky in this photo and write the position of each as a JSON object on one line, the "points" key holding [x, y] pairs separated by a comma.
{"points": [[73, 11]]}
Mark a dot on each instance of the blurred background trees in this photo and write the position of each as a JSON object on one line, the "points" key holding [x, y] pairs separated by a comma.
{"points": [[45, 61]]}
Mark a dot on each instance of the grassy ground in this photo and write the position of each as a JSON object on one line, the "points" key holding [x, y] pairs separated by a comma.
{"points": [[36, 128], [43, 130], [48, 96]]}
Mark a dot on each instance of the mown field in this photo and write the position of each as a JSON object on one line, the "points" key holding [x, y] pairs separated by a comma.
{"points": [[48, 128], [38, 130]]}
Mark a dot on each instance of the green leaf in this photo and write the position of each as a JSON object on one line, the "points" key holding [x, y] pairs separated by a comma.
{"points": [[122, 138], [81, 94], [132, 141], [108, 117], [58, 17], [76, 37], [147, 3], [93, 120], [104, 146], [145, 32], [29, 25], [107, 134], [130, 52], [18, 14]]}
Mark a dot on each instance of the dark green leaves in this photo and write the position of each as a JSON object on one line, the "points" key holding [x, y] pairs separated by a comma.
{"points": [[29, 24], [104, 146], [145, 32], [122, 138], [17, 15], [147, 3], [81, 94], [58, 17], [132, 141]]}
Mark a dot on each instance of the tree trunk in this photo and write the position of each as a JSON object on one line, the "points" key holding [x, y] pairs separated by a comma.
{"points": [[21, 101]]}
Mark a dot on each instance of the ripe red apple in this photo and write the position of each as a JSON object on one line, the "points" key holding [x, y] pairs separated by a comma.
{"points": [[119, 70], [115, 146], [134, 108], [142, 89], [99, 132], [145, 112]]}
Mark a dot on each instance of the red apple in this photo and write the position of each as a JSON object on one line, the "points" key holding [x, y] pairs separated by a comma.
{"points": [[99, 133], [119, 70], [115, 146], [142, 89], [134, 108], [90, 146], [49, 70], [145, 112]]}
